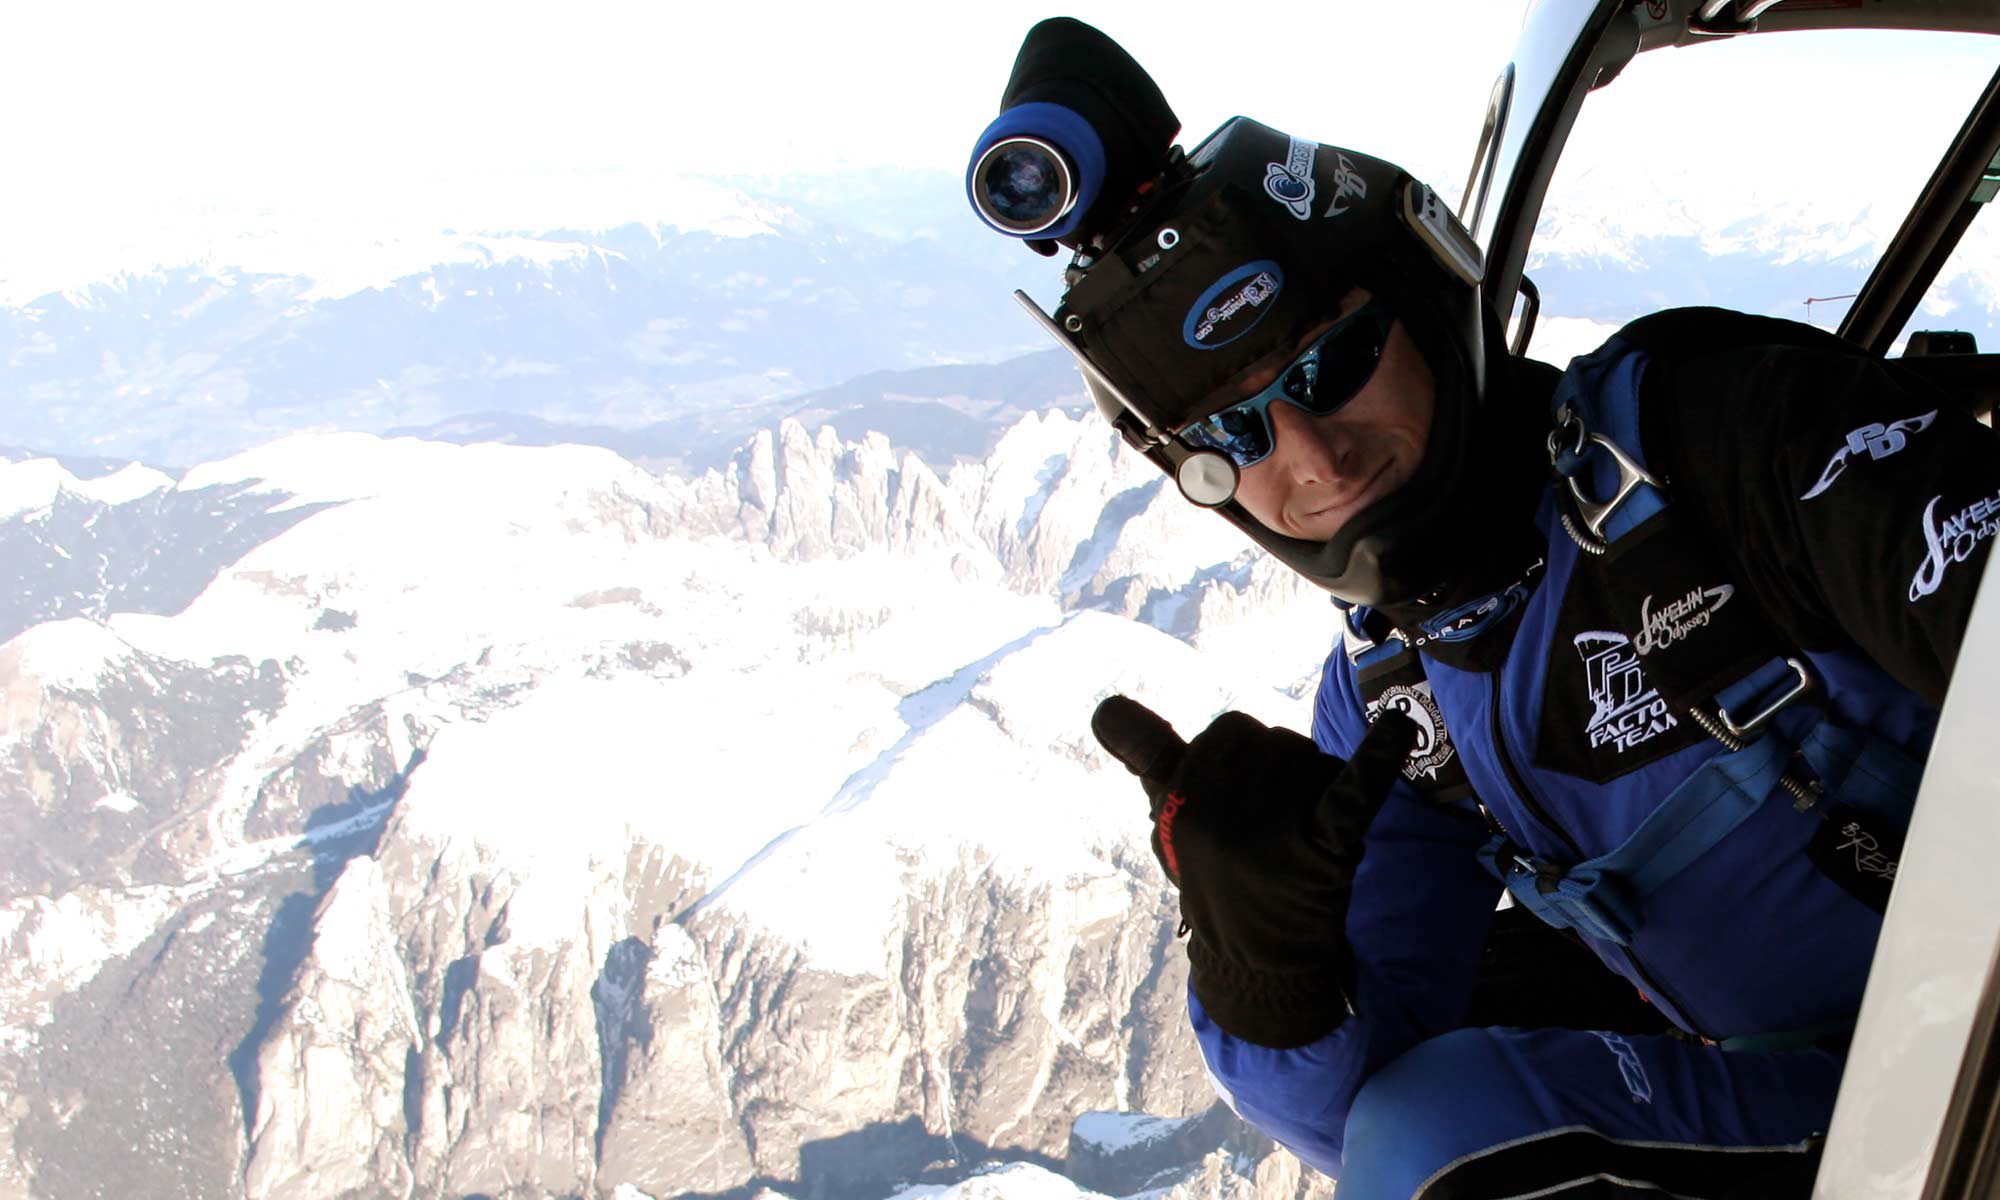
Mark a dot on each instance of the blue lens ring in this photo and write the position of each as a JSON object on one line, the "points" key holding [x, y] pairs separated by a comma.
{"points": [[1059, 127], [1244, 431]]}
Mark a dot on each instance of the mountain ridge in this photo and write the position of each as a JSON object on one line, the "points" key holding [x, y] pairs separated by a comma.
{"points": [[525, 764]]}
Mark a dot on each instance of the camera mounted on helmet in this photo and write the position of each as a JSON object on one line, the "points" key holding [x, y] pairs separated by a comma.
{"points": [[1189, 270], [1083, 131]]}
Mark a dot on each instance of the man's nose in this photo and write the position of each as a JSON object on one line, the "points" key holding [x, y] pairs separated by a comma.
{"points": [[1309, 449]]}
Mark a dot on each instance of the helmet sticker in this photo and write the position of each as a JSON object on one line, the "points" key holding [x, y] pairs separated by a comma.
{"points": [[1233, 305], [1290, 183], [1347, 183]]}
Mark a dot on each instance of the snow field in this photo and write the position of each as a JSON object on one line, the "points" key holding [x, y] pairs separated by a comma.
{"points": [[816, 736], [33, 483]]}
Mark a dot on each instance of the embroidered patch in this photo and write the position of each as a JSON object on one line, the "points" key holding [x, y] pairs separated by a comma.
{"points": [[1876, 440], [1433, 749], [1676, 619], [1625, 710], [1952, 540], [1233, 305]]}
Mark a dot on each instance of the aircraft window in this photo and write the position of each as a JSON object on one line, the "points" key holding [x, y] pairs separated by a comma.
{"points": [[1965, 296], [1762, 173]]}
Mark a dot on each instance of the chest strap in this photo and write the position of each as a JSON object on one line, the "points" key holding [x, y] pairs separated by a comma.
{"points": [[1605, 897], [1705, 648]]}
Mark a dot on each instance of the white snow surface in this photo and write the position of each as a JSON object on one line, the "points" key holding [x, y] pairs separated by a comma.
{"points": [[69, 653], [814, 735], [31, 484], [1012, 1181], [1116, 1131]]}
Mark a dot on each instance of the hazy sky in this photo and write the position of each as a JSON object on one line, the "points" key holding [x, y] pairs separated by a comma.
{"points": [[144, 132], [150, 130]]}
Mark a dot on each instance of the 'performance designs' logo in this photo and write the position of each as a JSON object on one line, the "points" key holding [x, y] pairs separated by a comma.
{"points": [[1951, 541], [1625, 710], [1433, 749], [1290, 183], [1662, 627], [1233, 305], [1877, 441]]}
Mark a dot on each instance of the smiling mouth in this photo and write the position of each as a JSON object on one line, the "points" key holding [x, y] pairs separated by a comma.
{"points": [[1354, 498]]}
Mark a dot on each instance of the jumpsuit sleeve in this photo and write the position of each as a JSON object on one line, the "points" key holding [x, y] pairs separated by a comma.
{"points": [[1859, 501], [1415, 925]]}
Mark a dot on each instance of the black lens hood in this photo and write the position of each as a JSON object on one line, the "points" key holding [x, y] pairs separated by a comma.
{"points": [[1066, 62]]}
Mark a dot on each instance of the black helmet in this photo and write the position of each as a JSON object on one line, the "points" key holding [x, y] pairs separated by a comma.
{"points": [[1221, 257]]}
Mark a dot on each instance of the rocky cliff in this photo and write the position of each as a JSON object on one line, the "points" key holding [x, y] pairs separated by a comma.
{"points": [[515, 823]]}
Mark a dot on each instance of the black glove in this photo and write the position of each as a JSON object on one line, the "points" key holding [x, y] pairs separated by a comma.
{"points": [[1262, 832]]}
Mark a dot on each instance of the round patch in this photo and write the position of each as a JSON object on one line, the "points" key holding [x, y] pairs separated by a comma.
{"points": [[1233, 305], [1433, 749]]}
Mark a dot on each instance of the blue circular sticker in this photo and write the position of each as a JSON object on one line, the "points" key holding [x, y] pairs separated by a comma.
{"points": [[1233, 305]]}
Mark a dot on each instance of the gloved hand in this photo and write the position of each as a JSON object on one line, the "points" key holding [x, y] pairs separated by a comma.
{"points": [[1262, 832]]}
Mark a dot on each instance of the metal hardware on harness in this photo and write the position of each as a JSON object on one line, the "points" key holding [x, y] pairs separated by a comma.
{"points": [[1564, 419], [1750, 726], [1583, 540], [1805, 792], [1630, 476], [1358, 643]]}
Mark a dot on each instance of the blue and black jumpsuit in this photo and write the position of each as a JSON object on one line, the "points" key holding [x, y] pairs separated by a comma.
{"points": [[1853, 506]]}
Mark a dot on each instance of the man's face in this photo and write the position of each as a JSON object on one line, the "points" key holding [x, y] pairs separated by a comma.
{"points": [[1323, 470]]}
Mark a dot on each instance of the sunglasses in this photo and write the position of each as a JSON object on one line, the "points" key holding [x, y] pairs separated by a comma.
{"points": [[1325, 376]]}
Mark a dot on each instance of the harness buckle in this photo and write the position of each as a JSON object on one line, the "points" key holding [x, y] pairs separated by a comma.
{"points": [[1359, 643], [1547, 875], [1631, 476], [1746, 729]]}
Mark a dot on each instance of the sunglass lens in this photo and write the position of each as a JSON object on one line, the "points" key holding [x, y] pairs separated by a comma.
{"points": [[1319, 381], [1343, 364], [1299, 381], [1239, 432]]}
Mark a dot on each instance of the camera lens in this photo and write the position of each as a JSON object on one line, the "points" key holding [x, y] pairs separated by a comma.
{"points": [[1035, 171], [1025, 185]]}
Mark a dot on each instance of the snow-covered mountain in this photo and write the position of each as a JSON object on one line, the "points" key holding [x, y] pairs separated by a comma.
{"points": [[400, 817]]}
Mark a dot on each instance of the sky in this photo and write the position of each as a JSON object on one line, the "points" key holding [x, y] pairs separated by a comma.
{"points": [[147, 133], [150, 130]]}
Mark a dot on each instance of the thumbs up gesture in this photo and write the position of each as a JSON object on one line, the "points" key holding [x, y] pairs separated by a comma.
{"points": [[1262, 832]]}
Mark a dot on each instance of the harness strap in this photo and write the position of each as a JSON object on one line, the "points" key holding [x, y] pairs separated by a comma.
{"points": [[1605, 897], [1704, 648]]}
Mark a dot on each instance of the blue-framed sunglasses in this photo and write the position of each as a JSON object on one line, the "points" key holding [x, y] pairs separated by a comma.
{"points": [[1325, 376]]}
